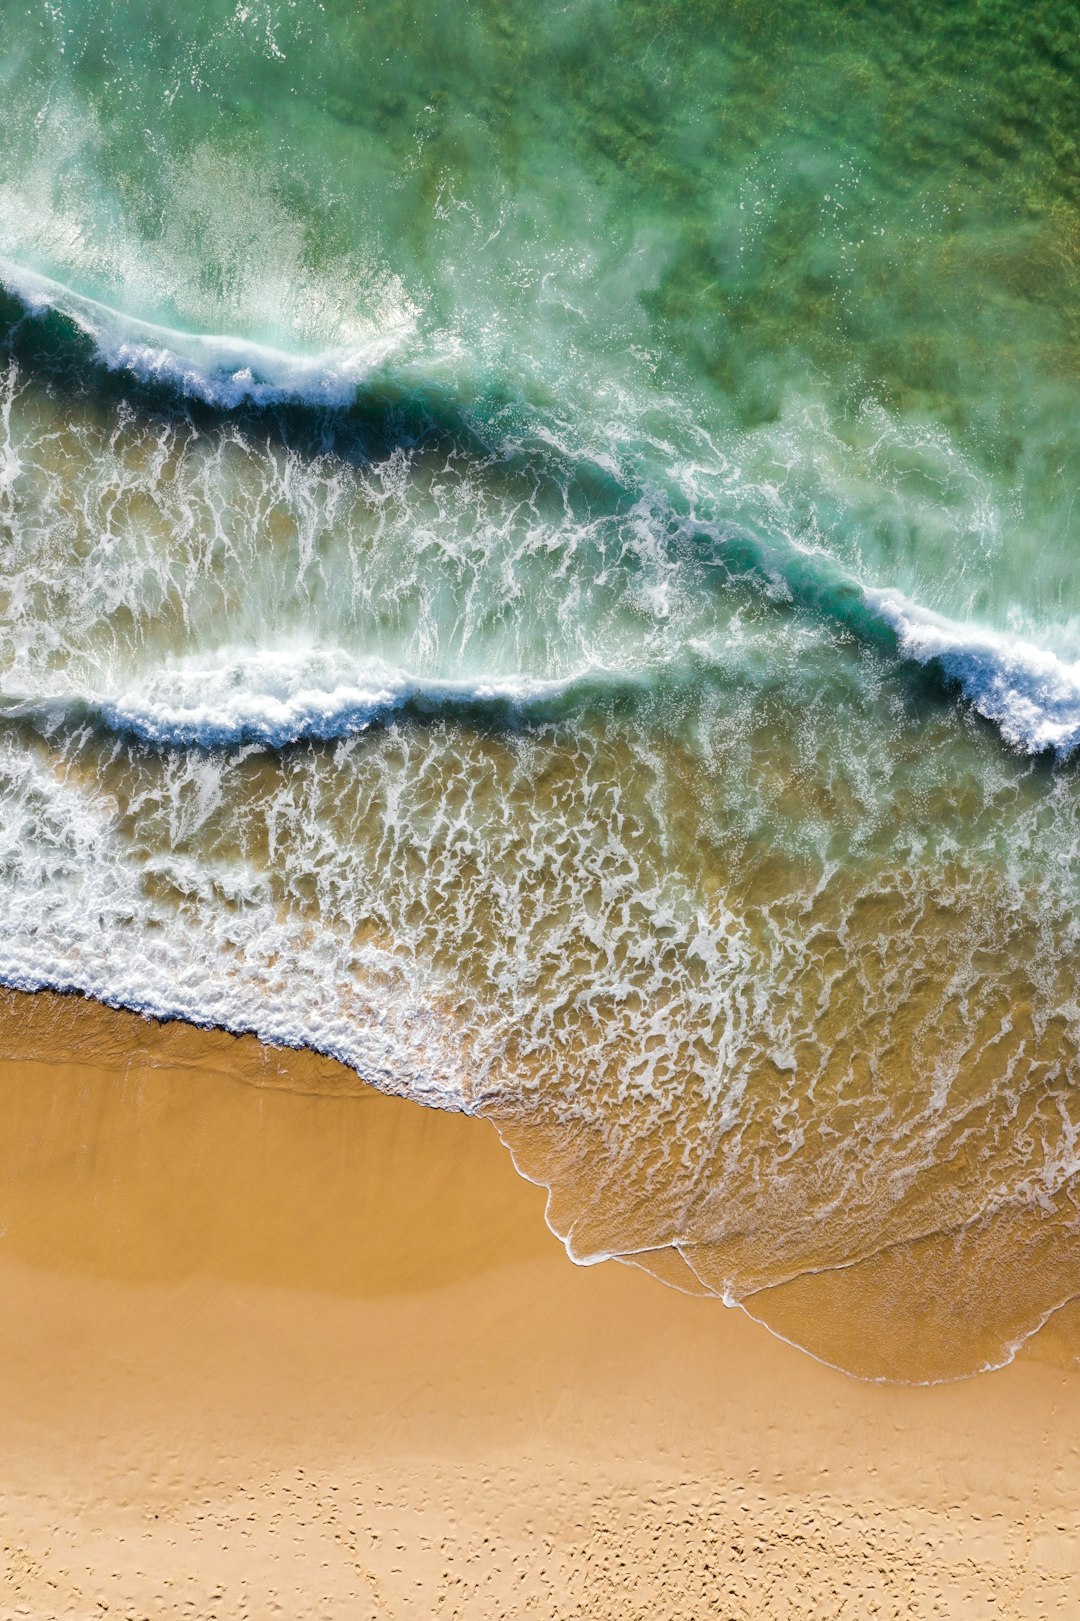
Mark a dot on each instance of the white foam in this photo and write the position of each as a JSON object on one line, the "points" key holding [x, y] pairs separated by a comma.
{"points": [[81, 908], [221, 371], [278, 697], [1030, 693]]}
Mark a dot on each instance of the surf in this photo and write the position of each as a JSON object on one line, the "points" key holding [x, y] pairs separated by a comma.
{"points": [[278, 697]]}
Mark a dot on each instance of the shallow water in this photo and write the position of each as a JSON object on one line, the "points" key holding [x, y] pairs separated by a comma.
{"points": [[538, 558]]}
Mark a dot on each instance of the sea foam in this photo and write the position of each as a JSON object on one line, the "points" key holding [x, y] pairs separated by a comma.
{"points": [[84, 909]]}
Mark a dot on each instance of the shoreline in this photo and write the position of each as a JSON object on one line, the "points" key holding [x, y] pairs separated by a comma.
{"points": [[47, 1025], [279, 1344]]}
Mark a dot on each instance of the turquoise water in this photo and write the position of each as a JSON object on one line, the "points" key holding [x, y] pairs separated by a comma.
{"points": [[538, 557]]}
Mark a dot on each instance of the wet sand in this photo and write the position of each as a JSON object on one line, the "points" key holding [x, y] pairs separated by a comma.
{"points": [[275, 1345]]}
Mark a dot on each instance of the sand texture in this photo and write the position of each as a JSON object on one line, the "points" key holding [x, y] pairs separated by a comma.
{"points": [[273, 1345]]}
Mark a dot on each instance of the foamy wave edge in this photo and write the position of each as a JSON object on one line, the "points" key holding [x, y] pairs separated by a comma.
{"points": [[221, 371], [1031, 694], [275, 698], [278, 698]]}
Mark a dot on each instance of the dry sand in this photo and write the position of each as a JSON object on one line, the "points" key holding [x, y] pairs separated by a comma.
{"points": [[273, 1345]]}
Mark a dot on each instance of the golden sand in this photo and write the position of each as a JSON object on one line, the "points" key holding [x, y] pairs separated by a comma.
{"points": [[273, 1345]]}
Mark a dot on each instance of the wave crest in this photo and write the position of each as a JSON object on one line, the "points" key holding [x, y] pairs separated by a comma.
{"points": [[277, 698], [221, 371], [1030, 693]]}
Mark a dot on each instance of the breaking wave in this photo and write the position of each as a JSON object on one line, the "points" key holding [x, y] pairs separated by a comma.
{"points": [[220, 371], [278, 698], [1030, 693]]}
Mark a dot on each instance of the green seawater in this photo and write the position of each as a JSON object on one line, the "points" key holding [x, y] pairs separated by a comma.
{"points": [[537, 555]]}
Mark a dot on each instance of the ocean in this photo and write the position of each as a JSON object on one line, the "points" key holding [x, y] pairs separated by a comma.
{"points": [[538, 558]]}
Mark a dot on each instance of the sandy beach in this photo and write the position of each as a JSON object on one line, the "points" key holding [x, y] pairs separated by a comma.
{"points": [[273, 1344]]}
